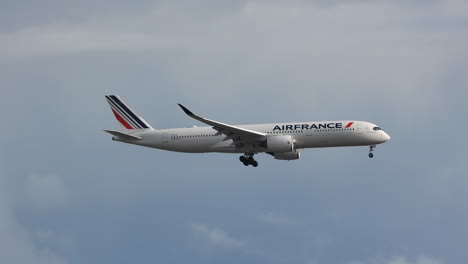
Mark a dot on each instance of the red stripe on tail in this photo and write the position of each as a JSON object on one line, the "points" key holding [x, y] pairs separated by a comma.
{"points": [[349, 124], [121, 120]]}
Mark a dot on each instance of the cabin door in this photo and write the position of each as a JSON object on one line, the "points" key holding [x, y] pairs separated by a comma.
{"points": [[165, 137]]}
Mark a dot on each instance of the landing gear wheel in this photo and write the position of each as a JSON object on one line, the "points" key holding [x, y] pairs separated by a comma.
{"points": [[371, 155], [254, 163], [248, 159]]}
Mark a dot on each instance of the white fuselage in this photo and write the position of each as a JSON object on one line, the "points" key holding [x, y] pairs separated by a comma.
{"points": [[305, 135]]}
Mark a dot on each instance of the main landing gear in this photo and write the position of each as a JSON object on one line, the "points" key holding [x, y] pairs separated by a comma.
{"points": [[247, 159], [371, 149]]}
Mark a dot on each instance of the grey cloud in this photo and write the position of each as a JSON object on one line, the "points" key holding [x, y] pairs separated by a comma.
{"points": [[16, 243], [257, 61], [216, 236], [402, 260], [279, 220], [45, 191], [15, 15]]}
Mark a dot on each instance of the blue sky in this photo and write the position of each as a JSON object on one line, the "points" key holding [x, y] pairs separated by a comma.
{"points": [[68, 194]]}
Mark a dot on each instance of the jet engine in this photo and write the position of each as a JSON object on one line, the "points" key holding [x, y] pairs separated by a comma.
{"points": [[282, 143], [291, 155]]}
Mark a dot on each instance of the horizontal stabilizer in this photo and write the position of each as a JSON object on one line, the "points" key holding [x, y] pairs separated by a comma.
{"points": [[122, 135]]}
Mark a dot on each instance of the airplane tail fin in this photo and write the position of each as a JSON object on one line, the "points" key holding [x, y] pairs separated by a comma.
{"points": [[126, 116]]}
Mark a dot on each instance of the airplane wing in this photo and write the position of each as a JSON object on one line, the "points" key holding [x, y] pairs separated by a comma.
{"points": [[233, 132]]}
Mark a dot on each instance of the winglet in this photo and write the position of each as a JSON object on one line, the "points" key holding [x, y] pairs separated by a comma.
{"points": [[188, 112]]}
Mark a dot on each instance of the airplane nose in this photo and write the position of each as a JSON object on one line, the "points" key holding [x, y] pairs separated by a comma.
{"points": [[387, 137]]}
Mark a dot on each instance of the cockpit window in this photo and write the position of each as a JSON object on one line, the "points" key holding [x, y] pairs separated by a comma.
{"points": [[377, 128]]}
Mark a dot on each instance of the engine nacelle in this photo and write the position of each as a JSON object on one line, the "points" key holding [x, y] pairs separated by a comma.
{"points": [[292, 155], [282, 143]]}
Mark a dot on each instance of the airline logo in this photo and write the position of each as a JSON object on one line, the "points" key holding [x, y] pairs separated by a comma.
{"points": [[124, 115], [312, 126]]}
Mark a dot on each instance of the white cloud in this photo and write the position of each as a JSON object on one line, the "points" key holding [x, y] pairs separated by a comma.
{"points": [[279, 220], [16, 244], [401, 260], [216, 236], [419, 260]]}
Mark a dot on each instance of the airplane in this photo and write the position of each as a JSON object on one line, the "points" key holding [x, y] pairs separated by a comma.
{"points": [[283, 141]]}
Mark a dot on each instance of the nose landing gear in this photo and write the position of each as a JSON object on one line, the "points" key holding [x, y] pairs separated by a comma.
{"points": [[247, 159], [371, 149]]}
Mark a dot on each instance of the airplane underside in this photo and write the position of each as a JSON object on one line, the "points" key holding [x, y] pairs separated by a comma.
{"points": [[248, 152]]}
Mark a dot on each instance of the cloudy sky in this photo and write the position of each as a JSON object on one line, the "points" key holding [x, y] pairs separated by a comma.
{"points": [[69, 195]]}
